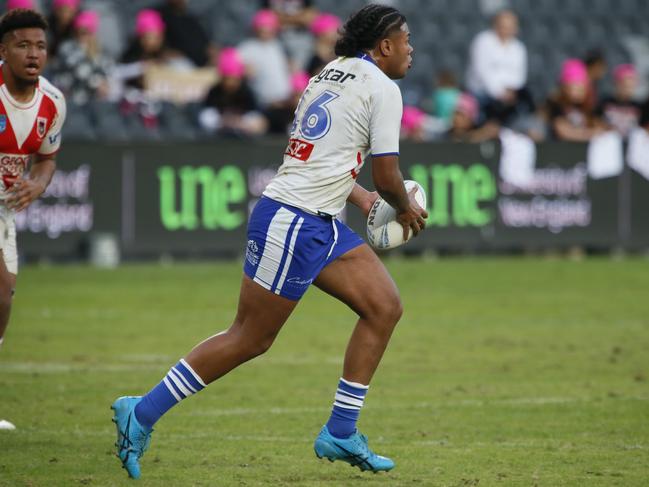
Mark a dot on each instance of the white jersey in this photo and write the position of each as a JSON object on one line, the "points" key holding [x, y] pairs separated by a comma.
{"points": [[349, 110]]}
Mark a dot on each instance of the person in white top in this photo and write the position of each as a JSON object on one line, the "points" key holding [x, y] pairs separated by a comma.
{"points": [[32, 112], [497, 71], [350, 110]]}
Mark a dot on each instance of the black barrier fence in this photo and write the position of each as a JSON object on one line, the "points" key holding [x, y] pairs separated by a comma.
{"points": [[194, 199]]}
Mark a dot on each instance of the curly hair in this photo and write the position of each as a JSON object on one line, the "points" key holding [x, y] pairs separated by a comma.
{"points": [[364, 29], [21, 18]]}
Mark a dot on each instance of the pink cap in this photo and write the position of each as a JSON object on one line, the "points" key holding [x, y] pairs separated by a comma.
{"points": [[265, 19], [66, 3], [468, 105], [622, 71], [412, 118], [299, 81], [573, 71], [13, 4], [324, 24], [230, 63], [149, 21], [87, 20]]}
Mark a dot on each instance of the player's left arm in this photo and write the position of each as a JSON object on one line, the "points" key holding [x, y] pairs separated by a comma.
{"points": [[27, 189], [362, 198]]}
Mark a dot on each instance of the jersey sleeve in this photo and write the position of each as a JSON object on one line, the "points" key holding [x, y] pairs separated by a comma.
{"points": [[386, 109], [52, 140]]}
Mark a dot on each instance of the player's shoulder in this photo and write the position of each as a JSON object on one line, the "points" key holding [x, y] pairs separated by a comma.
{"points": [[51, 91]]}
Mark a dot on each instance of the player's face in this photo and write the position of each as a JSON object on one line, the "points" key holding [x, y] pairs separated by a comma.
{"points": [[401, 58], [25, 53]]}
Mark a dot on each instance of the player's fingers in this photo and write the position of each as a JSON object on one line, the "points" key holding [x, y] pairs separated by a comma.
{"points": [[415, 228]]}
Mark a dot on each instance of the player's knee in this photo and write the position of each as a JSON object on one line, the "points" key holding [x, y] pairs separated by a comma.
{"points": [[385, 307]]}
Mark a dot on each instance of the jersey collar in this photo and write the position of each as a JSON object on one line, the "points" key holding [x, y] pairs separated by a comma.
{"points": [[366, 57]]}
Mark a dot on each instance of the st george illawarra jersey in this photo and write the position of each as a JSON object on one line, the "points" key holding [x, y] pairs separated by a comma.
{"points": [[28, 128], [349, 110]]}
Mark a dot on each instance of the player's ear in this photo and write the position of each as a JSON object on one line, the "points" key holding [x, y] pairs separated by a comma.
{"points": [[385, 46]]}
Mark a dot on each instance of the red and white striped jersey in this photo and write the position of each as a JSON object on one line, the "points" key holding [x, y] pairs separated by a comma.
{"points": [[27, 129]]}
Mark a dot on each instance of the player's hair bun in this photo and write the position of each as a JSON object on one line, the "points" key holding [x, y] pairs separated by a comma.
{"points": [[367, 27]]}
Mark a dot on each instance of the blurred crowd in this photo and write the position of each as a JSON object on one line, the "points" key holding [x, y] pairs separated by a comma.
{"points": [[252, 88]]}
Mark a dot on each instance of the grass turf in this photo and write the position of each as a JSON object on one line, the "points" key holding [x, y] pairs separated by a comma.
{"points": [[502, 372]]}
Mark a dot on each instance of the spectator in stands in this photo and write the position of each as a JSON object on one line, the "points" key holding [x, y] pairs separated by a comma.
{"points": [[325, 29], [185, 37], [295, 19], [13, 4], [268, 69], [620, 110], [568, 111], [597, 67], [497, 72], [146, 47], [445, 96], [61, 21], [230, 106], [464, 124], [81, 70]]}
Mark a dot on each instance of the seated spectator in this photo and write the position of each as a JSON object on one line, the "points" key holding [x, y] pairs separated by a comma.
{"points": [[568, 111], [230, 106], [61, 22], [295, 19], [464, 124], [80, 70], [418, 126], [497, 72], [146, 47], [620, 111], [268, 70], [597, 67], [184, 35], [325, 29]]}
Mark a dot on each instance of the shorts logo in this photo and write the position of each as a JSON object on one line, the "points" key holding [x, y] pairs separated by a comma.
{"points": [[3, 123], [251, 253], [298, 281], [41, 124], [299, 149]]}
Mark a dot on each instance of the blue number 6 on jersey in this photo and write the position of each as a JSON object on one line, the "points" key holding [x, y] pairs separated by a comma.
{"points": [[317, 119]]}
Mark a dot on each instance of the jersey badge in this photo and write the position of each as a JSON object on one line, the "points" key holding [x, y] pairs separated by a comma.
{"points": [[3, 123], [41, 125]]}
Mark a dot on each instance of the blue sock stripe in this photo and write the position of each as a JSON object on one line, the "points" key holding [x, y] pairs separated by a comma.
{"points": [[191, 376], [178, 383], [182, 380], [353, 396], [173, 388], [343, 386]]}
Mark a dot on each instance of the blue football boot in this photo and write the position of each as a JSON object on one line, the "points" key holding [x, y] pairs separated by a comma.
{"points": [[132, 438], [353, 450]]}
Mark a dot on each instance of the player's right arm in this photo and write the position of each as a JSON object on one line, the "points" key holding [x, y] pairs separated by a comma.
{"points": [[388, 181], [385, 127]]}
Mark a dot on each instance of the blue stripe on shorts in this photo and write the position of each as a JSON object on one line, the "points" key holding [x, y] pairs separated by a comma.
{"points": [[288, 247]]}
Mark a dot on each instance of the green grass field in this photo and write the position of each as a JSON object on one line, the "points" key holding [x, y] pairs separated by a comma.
{"points": [[504, 372]]}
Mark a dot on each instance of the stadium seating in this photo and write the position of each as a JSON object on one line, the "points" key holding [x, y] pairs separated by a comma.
{"points": [[441, 31]]}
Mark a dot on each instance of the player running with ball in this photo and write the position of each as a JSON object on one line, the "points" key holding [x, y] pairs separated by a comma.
{"points": [[351, 109]]}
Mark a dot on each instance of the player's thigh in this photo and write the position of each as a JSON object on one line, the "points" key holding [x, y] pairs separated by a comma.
{"points": [[359, 279], [260, 312]]}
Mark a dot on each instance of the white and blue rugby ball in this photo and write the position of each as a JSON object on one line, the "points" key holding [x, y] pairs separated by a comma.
{"points": [[383, 230]]}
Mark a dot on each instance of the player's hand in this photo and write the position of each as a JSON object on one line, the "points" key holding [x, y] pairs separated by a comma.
{"points": [[414, 218], [22, 192]]}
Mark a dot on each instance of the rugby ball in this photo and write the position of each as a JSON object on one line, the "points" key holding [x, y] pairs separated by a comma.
{"points": [[383, 230]]}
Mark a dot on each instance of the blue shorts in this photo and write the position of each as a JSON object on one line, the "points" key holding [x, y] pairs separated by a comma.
{"points": [[288, 247]]}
